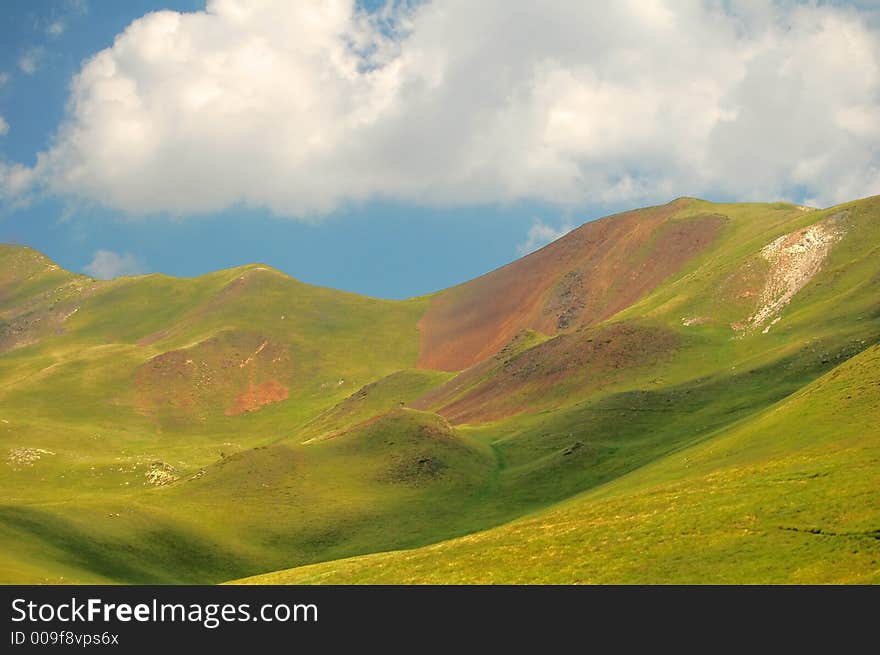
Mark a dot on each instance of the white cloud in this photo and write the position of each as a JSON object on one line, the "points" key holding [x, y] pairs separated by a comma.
{"points": [[32, 59], [540, 234], [4, 78], [4, 126], [16, 181], [107, 264], [303, 107], [56, 28]]}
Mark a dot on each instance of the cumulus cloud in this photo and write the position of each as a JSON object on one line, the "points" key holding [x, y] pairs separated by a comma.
{"points": [[30, 62], [540, 234], [106, 265], [303, 107]]}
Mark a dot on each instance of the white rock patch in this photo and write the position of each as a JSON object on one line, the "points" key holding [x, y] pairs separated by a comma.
{"points": [[794, 259], [21, 457], [160, 474]]}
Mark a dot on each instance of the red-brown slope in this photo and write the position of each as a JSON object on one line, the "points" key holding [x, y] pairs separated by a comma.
{"points": [[583, 278], [549, 373], [235, 371]]}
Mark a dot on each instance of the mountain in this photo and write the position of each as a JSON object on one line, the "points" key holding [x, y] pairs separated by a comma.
{"points": [[688, 378]]}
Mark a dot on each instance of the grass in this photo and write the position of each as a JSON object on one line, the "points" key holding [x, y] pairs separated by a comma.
{"points": [[787, 496], [672, 453]]}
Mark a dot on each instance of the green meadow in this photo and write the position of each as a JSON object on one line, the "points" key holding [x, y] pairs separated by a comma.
{"points": [[243, 426]]}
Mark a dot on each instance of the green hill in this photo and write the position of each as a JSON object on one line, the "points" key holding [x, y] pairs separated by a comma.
{"points": [[161, 430], [786, 496]]}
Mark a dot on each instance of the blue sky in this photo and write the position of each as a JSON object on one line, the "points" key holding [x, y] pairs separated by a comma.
{"points": [[397, 149]]}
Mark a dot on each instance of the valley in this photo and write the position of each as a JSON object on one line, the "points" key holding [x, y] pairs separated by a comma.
{"points": [[677, 394]]}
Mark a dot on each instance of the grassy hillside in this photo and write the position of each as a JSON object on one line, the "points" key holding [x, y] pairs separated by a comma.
{"points": [[787, 496], [702, 321], [153, 371], [158, 429]]}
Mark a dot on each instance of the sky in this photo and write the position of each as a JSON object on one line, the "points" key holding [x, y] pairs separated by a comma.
{"points": [[397, 148]]}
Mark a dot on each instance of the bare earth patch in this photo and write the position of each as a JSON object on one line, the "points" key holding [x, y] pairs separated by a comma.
{"points": [[794, 260], [255, 396], [232, 372]]}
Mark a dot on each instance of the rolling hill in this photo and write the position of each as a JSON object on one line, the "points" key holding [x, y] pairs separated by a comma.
{"points": [[787, 496], [681, 393]]}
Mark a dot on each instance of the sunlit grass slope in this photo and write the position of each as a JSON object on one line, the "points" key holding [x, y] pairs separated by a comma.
{"points": [[787, 496], [156, 429]]}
